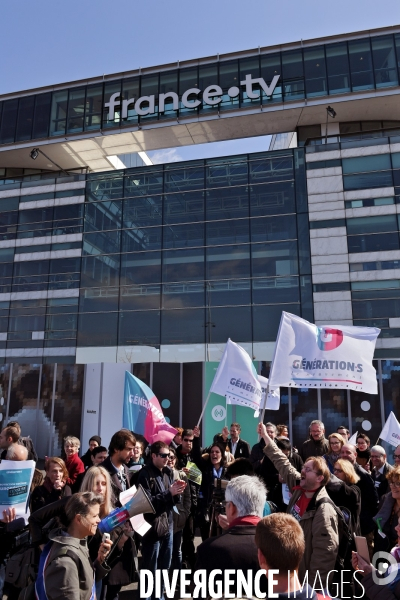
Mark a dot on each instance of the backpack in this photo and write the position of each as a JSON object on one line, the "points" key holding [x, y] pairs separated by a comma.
{"points": [[345, 532]]}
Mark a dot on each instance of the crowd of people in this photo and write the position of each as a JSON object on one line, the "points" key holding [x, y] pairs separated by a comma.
{"points": [[272, 507]]}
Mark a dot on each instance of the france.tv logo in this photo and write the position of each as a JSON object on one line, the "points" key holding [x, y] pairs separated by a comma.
{"points": [[329, 339]]}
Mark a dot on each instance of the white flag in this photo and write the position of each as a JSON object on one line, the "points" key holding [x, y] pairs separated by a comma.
{"points": [[236, 378], [329, 356], [353, 439], [274, 395], [391, 431]]}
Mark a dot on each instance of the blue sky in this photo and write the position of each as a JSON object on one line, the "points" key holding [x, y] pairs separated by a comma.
{"points": [[44, 42]]}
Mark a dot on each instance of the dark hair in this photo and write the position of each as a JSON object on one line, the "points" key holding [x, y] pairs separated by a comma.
{"points": [[80, 504], [237, 425], [12, 432], [95, 438], [283, 444], [343, 427], [222, 450], [363, 436], [119, 440], [172, 451], [157, 446], [188, 432], [98, 449], [240, 466]]}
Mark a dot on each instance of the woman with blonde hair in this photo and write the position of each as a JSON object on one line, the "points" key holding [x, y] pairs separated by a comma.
{"points": [[335, 445], [97, 480], [344, 470]]}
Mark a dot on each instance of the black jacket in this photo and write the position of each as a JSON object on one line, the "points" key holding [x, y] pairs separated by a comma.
{"points": [[42, 496], [115, 482], [207, 482], [381, 483], [312, 448], [181, 463], [369, 499], [242, 449]]}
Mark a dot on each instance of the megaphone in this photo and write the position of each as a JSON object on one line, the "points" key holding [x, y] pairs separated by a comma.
{"points": [[139, 504]]}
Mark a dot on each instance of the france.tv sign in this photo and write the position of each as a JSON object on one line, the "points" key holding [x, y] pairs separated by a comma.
{"points": [[145, 105]]}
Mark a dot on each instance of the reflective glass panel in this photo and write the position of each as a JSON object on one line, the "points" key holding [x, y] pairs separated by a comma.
{"points": [[249, 66], [384, 57], [93, 107], [315, 72], [269, 229], [228, 262], [25, 118], [142, 212], [292, 72], [8, 121], [186, 326], [227, 203], [271, 259], [149, 89], [169, 85], [76, 110], [42, 116], [58, 118], [337, 62], [272, 199], [183, 265], [230, 322], [140, 267], [360, 58], [141, 328], [184, 207], [145, 238], [130, 93], [183, 236], [270, 67], [228, 78], [234, 231]]}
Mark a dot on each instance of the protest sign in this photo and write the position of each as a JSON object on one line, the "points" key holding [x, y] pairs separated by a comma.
{"points": [[391, 431], [15, 484]]}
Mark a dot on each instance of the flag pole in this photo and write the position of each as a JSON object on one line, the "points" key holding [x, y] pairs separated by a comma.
{"points": [[204, 408]]}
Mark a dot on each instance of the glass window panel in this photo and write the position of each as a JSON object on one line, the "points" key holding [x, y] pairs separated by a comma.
{"points": [[8, 121], [175, 331], [102, 242], [396, 160], [130, 91], [76, 110], [140, 297], [65, 321], [103, 216], [140, 328], [9, 204], [271, 66], [8, 225], [315, 72], [359, 164], [183, 236], [141, 212], [208, 75], [304, 410], [391, 393], [184, 208], [145, 238], [271, 169], [249, 66], [229, 77], [183, 265], [100, 271], [27, 323], [6, 255], [144, 184], [373, 243], [360, 59], [292, 74], [98, 329], [93, 107], [227, 203], [235, 231], [276, 289], [183, 294], [268, 229], [180, 180], [300, 181], [110, 88], [372, 224], [266, 321], [271, 259], [230, 322], [36, 215], [140, 267], [58, 117], [226, 174], [169, 83], [228, 262], [228, 292], [188, 78], [272, 199], [397, 44], [42, 116], [25, 118], [375, 309], [337, 63], [384, 57], [149, 87], [105, 188], [67, 405], [98, 299], [364, 181]]}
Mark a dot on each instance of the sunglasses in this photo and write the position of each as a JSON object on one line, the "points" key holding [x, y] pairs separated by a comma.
{"points": [[163, 454], [171, 457], [187, 440]]}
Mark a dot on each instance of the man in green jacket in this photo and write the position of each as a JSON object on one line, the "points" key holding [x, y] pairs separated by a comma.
{"points": [[318, 521]]}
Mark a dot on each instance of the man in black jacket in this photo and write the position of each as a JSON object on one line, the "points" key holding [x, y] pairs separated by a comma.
{"points": [[317, 444], [120, 452], [156, 480], [380, 469], [239, 448]]}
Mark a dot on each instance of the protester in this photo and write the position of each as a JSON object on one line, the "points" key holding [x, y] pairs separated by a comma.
{"points": [[276, 494], [235, 548], [282, 431], [213, 467], [237, 447], [73, 462], [94, 442], [363, 452], [344, 470], [156, 480], [98, 456], [396, 456], [137, 458], [9, 435], [17, 452], [317, 444], [345, 433], [183, 508], [25, 441], [68, 572], [281, 547], [263, 467], [380, 470], [120, 450], [54, 485], [311, 506], [388, 513], [177, 440], [335, 445]]}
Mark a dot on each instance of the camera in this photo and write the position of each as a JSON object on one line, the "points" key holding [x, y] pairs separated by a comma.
{"points": [[217, 507]]}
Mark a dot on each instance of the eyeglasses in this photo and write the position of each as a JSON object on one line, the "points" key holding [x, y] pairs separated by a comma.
{"points": [[395, 484], [187, 440], [396, 456], [163, 455], [171, 457], [309, 471], [225, 502], [338, 470]]}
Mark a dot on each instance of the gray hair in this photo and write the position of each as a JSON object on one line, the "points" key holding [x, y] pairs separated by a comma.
{"points": [[271, 425], [379, 449], [317, 422], [17, 452], [248, 494], [74, 441]]}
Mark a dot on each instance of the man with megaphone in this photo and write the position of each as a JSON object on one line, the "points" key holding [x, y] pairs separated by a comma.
{"points": [[157, 481]]}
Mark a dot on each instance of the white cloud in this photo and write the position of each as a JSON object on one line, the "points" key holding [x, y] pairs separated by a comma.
{"points": [[165, 156]]}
